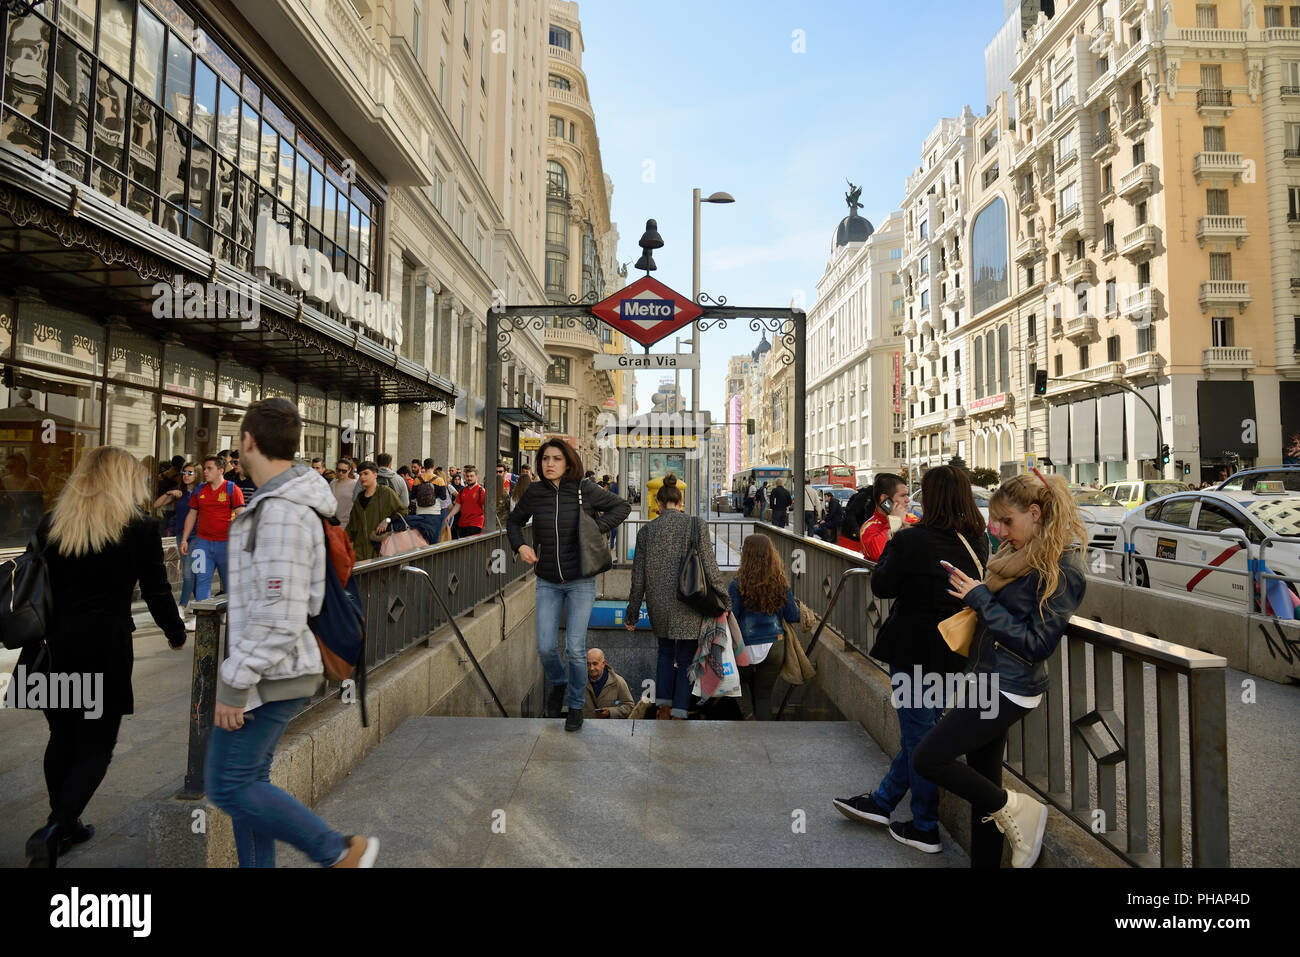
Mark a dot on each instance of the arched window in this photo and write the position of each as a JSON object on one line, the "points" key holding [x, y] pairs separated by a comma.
{"points": [[979, 367], [989, 256], [557, 180], [559, 82]]}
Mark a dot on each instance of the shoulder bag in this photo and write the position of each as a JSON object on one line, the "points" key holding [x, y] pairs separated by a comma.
{"points": [[593, 544], [693, 584], [26, 604], [958, 631]]}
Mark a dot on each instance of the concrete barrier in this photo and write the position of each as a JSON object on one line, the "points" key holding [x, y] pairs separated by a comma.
{"points": [[322, 747]]}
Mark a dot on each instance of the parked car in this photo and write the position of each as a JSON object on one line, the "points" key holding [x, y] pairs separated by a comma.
{"points": [[1244, 481], [1135, 493], [982, 499], [1213, 528]]}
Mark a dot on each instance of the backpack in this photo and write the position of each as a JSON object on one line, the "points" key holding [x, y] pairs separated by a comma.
{"points": [[26, 604], [340, 628], [426, 495]]}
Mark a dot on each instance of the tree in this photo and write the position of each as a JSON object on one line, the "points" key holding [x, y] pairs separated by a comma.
{"points": [[958, 462], [984, 476]]}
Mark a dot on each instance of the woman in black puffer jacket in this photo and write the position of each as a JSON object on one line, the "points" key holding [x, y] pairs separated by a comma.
{"points": [[552, 503]]}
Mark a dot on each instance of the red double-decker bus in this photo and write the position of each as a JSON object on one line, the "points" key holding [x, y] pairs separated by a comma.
{"points": [[843, 475]]}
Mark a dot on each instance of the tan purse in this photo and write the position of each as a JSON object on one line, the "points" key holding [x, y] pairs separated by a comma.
{"points": [[958, 630]]}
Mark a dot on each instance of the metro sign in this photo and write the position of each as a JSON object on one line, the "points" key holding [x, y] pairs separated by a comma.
{"points": [[647, 311]]}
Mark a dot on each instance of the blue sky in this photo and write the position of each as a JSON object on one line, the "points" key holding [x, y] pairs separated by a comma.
{"points": [[712, 94]]}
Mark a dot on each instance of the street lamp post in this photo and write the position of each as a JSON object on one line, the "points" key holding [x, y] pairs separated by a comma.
{"points": [[695, 295]]}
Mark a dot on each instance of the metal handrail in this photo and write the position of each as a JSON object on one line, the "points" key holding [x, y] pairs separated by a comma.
{"points": [[830, 607]]}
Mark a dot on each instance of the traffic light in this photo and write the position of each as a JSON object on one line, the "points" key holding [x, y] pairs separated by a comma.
{"points": [[749, 426], [1187, 468], [1164, 455], [1040, 382]]}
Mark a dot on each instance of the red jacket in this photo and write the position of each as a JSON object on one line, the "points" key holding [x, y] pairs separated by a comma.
{"points": [[874, 535]]}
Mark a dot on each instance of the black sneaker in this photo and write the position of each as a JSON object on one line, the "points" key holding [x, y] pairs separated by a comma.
{"points": [[905, 832], [862, 808], [574, 720], [555, 701]]}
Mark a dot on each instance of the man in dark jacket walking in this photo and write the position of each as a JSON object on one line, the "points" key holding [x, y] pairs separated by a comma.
{"points": [[781, 502], [830, 524]]}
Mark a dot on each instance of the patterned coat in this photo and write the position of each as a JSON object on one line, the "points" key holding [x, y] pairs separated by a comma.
{"points": [[660, 547]]}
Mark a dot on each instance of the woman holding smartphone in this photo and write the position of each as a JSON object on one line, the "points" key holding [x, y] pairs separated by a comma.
{"points": [[1024, 604], [912, 570]]}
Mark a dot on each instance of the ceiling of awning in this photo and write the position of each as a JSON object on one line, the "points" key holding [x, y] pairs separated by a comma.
{"points": [[78, 278]]}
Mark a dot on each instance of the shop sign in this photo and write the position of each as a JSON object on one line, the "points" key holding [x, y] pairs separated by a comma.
{"points": [[988, 403], [311, 272], [642, 440], [530, 443]]}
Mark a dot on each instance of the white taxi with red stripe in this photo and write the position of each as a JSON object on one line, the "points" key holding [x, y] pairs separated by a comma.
{"points": [[1215, 530]]}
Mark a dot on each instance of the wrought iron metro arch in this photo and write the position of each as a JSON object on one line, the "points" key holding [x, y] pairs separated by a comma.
{"points": [[789, 326]]}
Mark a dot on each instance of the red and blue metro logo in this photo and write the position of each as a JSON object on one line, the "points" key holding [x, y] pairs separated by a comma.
{"points": [[647, 311]]}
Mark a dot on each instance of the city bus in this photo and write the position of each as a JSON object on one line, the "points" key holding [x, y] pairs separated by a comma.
{"points": [[843, 475], [757, 476]]}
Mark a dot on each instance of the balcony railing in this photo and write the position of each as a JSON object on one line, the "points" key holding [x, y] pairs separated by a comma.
{"points": [[1140, 242], [1140, 179], [1213, 98], [1077, 270], [1066, 158], [1147, 363], [1141, 304], [1228, 357], [1231, 291], [1081, 327], [1221, 228], [1133, 115], [1217, 163], [1295, 283], [910, 361], [1291, 91], [909, 327], [1103, 138], [1291, 153], [1212, 35], [1106, 372]]}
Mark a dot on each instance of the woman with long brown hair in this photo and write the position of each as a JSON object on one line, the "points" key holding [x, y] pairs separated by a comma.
{"points": [[98, 542], [1024, 605], [761, 598]]}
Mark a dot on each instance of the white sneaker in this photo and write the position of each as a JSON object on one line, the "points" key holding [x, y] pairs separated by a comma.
{"points": [[190, 623], [1022, 821]]}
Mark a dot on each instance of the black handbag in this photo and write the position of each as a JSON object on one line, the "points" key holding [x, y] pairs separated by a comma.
{"points": [[593, 544], [25, 601], [692, 582]]}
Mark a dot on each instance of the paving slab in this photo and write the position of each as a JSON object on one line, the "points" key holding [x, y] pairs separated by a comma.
{"points": [[495, 792]]}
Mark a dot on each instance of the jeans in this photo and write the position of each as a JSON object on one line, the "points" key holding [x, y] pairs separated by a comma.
{"points": [[239, 782], [550, 601], [913, 725], [187, 575], [76, 760], [982, 739], [430, 526], [672, 686], [757, 682], [211, 557]]}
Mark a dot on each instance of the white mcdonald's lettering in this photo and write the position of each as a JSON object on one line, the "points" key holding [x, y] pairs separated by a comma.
{"points": [[310, 271], [646, 308]]}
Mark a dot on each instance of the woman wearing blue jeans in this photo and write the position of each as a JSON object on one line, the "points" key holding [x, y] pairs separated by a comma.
{"points": [[660, 547], [552, 505], [181, 499]]}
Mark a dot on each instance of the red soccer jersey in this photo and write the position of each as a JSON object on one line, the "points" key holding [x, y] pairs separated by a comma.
{"points": [[215, 509], [471, 507]]}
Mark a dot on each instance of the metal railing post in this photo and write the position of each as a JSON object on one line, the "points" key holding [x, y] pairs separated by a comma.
{"points": [[203, 691]]}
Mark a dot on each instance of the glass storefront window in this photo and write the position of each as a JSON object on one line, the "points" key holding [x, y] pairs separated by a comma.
{"points": [[7, 322], [311, 403], [274, 386], [144, 157], [179, 63], [77, 17], [205, 102], [72, 101], [179, 423], [56, 337], [133, 357], [228, 123], [132, 422], [189, 372], [313, 442], [332, 411], [110, 134], [36, 410], [228, 422], [238, 385]]}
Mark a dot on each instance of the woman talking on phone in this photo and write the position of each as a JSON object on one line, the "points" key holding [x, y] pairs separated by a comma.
{"points": [[1024, 604]]}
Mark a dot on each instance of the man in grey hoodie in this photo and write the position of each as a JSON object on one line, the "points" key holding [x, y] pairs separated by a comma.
{"points": [[277, 560]]}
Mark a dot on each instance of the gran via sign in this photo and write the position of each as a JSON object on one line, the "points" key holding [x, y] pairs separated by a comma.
{"points": [[311, 273]]}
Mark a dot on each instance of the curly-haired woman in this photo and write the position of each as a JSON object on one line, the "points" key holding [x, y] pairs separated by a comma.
{"points": [[761, 598]]}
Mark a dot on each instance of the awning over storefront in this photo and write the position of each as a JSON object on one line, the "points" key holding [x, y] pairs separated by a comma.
{"points": [[1083, 431], [1227, 415], [70, 261], [1145, 443], [1058, 446], [524, 418], [1110, 427]]}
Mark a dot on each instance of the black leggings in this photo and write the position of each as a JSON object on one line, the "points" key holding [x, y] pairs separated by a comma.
{"points": [[76, 760], [982, 739]]}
